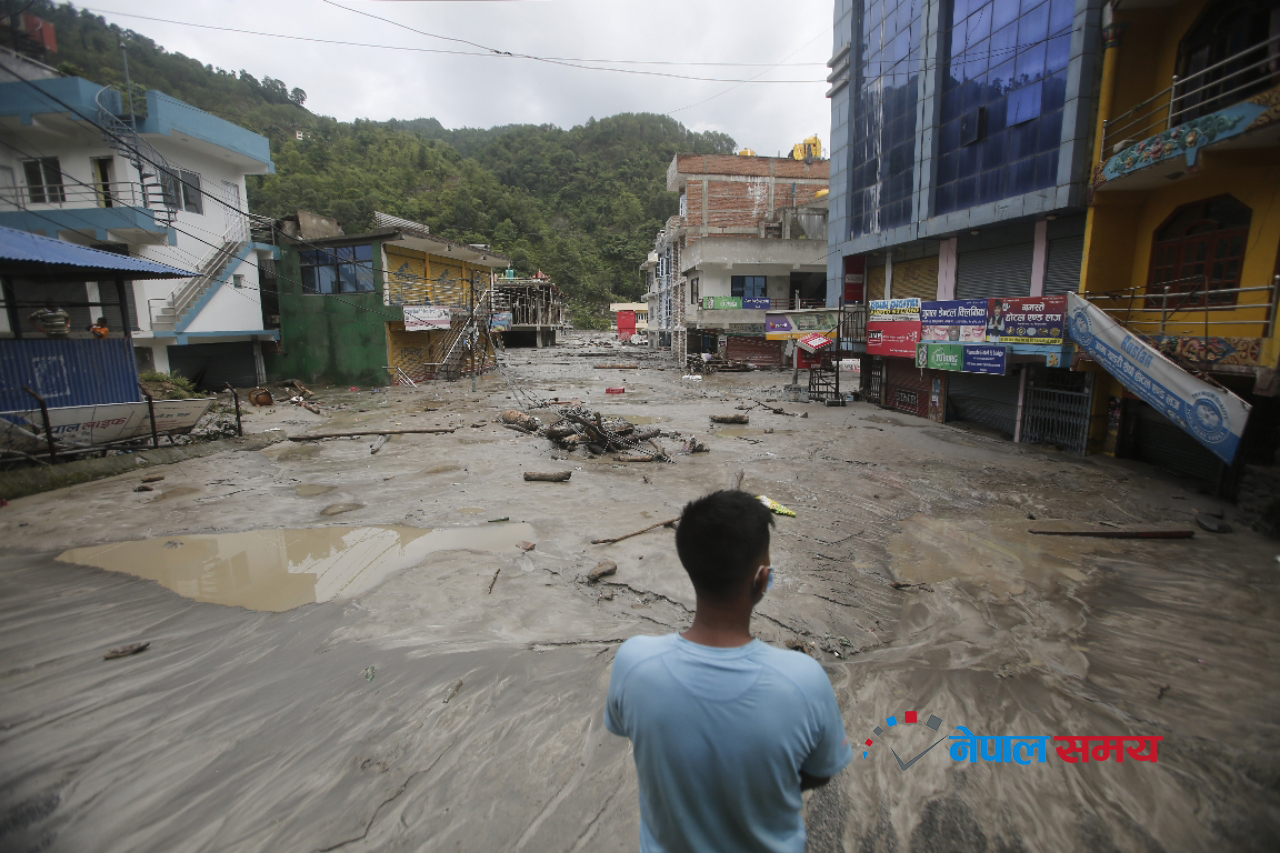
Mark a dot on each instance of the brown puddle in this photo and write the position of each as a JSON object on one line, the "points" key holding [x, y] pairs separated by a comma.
{"points": [[310, 490], [470, 510], [282, 569]]}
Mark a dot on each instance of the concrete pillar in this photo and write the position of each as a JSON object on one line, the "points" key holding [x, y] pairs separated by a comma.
{"points": [[948, 255], [1039, 258]]}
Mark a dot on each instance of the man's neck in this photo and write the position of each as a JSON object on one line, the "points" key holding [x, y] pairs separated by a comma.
{"points": [[721, 624]]}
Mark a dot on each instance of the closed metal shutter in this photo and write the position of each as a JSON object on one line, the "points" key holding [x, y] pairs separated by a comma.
{"points": [[917, 279], [991, 401], [212, 366], [757, 351], [1005, 271], [1062, 268], [906, 387], [875, 283], [1163, 444]]}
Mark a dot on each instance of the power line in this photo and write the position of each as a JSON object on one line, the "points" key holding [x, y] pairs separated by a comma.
{"points": [[485, 52]]}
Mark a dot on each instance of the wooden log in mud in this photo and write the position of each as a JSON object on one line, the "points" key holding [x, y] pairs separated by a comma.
{"points": [[730, 419], [316, 436], [548, 477]]}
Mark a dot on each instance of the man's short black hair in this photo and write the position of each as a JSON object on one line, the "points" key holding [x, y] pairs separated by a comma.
{"points": [[720, 539]]}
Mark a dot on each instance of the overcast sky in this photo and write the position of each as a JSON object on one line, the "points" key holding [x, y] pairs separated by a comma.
{"points": [[481, 91]]}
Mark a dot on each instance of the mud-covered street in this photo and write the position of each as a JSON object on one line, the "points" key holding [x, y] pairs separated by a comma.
{"points": [[388, 669]]}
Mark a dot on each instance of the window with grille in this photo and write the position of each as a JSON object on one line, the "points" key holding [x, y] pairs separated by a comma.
{"points": [[44, 180], [1198, 254], [747, 285]]}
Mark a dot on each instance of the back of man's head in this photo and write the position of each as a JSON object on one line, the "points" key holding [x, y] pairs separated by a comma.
{"points": [[720, 539]]}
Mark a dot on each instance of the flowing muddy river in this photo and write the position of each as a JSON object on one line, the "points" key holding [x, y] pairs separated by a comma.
{"points": [[444, 689]]}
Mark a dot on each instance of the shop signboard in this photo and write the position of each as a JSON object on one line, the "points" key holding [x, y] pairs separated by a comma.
{"points": [[755, 303], [889, 310], [426, 318], [721, 303], [797, 324], [501, 322], [955, 320], [1027, 320], [1212, 415], [935, 356], [894, 337], [814, 342], [985, 358]]}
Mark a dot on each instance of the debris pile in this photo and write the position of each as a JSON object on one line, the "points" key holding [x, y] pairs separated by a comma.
{"points": [[582, 427]]}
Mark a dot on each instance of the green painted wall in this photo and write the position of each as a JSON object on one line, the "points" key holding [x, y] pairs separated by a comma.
{"points": [[339, 338]]}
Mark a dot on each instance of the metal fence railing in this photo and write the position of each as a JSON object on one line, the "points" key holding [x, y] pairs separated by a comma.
{"points": [[55, 196], [1216, 87], [1191, 306]]}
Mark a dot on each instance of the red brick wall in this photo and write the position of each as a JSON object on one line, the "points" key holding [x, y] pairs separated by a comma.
{"points": [[744, 204]]}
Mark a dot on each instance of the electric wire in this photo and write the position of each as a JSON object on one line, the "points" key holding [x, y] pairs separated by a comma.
{"points": [[483, 53]]}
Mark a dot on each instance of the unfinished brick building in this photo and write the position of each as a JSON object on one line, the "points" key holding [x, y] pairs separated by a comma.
{"points": [[751, 236]]}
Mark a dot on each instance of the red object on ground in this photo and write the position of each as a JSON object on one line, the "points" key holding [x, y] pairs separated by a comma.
{"points": [[910, 716], [615, 390]]}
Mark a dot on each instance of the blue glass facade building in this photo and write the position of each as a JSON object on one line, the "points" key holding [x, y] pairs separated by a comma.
{"points": [[956, 115]]}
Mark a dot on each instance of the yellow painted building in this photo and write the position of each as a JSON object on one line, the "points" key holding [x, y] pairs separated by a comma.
{"points": [[424, 272], [1182, 240]]}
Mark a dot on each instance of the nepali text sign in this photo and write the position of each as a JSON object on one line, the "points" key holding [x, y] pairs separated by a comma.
{"points": [[1027, 320], [954, 320], [886, 310], [1212, 416], [83, 426], [721, 303], [501, 321], [985, 358], [425, 318], [939, 356], [898, 338], [797, 324], [755, 303]]}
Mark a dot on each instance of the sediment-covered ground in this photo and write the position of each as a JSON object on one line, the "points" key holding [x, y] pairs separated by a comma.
{"points": [[452, 700]]}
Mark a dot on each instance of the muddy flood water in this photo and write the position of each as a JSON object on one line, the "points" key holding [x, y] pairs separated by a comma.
{"points": [[351, 652], [282, 569]]}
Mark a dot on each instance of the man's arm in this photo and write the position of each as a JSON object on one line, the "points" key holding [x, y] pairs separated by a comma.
{"points": [[808, 783]]}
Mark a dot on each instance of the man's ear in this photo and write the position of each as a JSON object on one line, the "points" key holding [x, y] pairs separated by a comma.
{"points": [[760, 583]]}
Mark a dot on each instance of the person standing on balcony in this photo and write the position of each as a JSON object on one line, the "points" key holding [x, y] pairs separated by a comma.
{"points": [[100, 329], [51, 321]]}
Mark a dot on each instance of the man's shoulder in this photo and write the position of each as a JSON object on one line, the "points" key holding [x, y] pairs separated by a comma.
{"points": [[797, 667], [642, 647]]}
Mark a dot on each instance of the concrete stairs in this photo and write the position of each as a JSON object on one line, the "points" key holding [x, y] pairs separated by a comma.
{"points": [[186, 301]]}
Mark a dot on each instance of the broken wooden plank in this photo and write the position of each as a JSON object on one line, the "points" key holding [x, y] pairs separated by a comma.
{"points": [[1129, 533], [125, 651], [667, 523], [730, 419], [549, 477], [316, 436]]}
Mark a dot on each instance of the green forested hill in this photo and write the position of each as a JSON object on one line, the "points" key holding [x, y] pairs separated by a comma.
{"points": [[582, 204]]}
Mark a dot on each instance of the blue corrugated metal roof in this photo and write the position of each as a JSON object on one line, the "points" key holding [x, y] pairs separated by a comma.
{"points": [[22, 253]]}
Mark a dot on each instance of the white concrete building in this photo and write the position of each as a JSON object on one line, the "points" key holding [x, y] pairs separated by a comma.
{"points": [[167, 185]]}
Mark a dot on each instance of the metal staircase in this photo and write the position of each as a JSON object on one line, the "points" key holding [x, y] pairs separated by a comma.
{"points": [[453, 364], [158, 178]]}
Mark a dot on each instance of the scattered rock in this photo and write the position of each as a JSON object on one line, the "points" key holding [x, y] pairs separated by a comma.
{"points": [[155, 478], [338, 509], [606, 596], [1211, 524], [526, 546], [1031, 515], [604, 569], [144, 489], [453, 691]]}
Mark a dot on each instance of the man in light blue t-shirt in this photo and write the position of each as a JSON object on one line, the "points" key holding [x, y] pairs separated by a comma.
{"points": [[727, 731]]}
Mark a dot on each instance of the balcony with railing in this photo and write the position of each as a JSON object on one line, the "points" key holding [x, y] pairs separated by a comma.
{"points": [[1229, 103], [1199, 325], [86, 208]]}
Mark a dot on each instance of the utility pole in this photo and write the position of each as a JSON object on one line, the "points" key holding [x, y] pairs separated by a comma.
{"points": [[128, 86], [474, 337]]}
